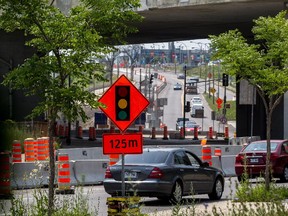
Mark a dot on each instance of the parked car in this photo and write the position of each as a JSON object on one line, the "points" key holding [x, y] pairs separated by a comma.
{"points": [[177, 86], [253, 156], [165, 173]]}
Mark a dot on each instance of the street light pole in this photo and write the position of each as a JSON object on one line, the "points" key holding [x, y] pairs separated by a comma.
{"points": [[184, 102]]}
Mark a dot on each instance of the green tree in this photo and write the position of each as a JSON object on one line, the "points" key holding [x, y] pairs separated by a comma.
{"points": [[64, 46], [263, 64]]}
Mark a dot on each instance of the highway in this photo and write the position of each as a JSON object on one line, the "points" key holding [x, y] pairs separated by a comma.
{"points": [[175, 99]]}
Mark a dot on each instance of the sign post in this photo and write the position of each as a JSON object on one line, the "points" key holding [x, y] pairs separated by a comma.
{"points": [[123, 103]]}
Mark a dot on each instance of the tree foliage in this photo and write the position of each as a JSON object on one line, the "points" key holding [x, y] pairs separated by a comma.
{"points": [[262, 63], [67, 52]]}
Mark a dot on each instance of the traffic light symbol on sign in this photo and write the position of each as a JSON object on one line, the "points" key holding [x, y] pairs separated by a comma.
{"points": [[122, 103]]}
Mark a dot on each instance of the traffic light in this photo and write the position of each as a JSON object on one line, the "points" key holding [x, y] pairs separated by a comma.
{"points": [[187, 107], [225, 79], [151, 78], [122, 103]]}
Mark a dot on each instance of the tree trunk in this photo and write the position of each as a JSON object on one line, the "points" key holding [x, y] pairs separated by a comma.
{"points": [[51, 168], [268, 137]]}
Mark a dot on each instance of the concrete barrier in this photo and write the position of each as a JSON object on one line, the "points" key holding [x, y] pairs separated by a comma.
{"points": [[29, 174], [89, 172], [84, 153]]}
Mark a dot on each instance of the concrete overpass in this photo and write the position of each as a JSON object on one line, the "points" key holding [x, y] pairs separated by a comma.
{"points": [[172, 20]]}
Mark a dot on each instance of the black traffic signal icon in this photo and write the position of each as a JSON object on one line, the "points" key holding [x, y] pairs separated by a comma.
{"points": [[225, 79], [151, 78], [122, 103]]}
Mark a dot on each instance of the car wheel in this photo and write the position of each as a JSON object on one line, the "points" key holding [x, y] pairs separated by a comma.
{"points": [[284, 177], [177, 192], [217, 190]]}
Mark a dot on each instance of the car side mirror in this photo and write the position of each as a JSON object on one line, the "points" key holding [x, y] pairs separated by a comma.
{"points": [[205, 164]]}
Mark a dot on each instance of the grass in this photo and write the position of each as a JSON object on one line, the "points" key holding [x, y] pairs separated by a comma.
{"points": [[230, 112]]}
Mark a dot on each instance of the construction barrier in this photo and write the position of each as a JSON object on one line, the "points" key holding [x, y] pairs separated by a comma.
{"points": [[217, 151], [153, 133], [89, 172], [61, 131], [112, 129], [181, 133], [140, 128], [195, 133], [210, 133], [165, 133], [64, 183], [79, 132], [206, 154], [29, 149], [123, 205], [5, 170], [226, 133], [43, 149], [92, 133], [16, 151], [113, 159]]}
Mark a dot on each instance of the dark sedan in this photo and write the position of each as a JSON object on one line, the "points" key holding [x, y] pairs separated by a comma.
{"points": [[165, 173], [252, 158]]}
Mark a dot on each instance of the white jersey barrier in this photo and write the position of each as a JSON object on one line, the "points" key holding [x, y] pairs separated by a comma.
{"points": [[84, 153], [89, 172]]}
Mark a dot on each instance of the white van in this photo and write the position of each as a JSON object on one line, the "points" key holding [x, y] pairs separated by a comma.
{"points": [[196, 100], [195, 107]]}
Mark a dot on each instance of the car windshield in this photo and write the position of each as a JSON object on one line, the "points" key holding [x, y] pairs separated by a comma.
{"points": [[260, 146], [147, 157]]}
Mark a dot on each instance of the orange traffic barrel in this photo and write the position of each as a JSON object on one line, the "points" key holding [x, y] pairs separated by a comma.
{"points": [[5, 170], [79, 132], [153, 133], [113, 159], [165, 133], [195, 132], [35, 149], [42, 149], [46, 148], [210, 133], [112, 129], [63, 171], [206, 154], [218, 151], [92, 133], [29, 149], [140, 128], [16, 151], [181, 133], [226, 132]]}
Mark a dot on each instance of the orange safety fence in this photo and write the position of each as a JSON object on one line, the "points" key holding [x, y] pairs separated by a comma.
{"points": [[113, 159], [63, 172], [5, 170], [206, 154], [29, 149], [16, 151]]}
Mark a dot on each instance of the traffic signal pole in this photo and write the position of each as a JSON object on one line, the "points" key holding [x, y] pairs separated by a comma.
{"points": [[184, 102]]}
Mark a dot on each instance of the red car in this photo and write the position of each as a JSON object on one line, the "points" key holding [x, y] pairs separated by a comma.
{"points": [[255, 156]]}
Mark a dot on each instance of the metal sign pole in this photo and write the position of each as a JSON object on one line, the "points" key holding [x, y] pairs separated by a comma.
{"points": [[123, 176]]}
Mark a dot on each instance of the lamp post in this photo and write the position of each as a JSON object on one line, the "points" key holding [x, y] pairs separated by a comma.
{"points": [[184, 102]]}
